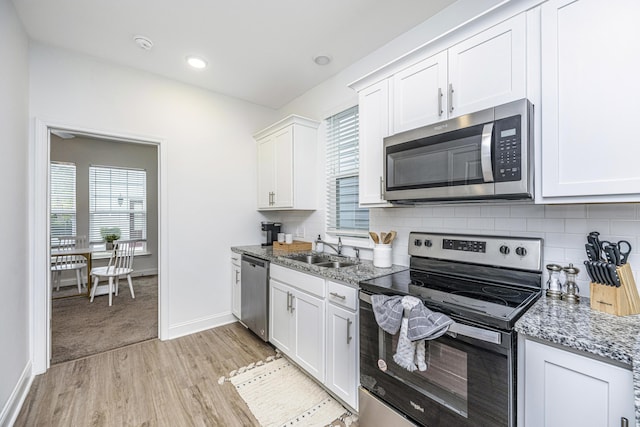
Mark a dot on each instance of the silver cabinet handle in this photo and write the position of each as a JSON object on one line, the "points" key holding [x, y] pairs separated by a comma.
{"points": [[288, 301], [450, 98], [624, 422], [237, 274], [381, 188], [349, 337], [440, 111], [273, 197], [485, 153], [292, 298], [337, 295]]}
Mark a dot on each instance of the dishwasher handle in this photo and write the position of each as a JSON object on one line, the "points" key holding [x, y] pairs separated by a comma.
{"points": [[255, 262]]}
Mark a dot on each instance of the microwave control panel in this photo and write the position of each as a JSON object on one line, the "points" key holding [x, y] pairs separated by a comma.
{"points": [[507, 162]]}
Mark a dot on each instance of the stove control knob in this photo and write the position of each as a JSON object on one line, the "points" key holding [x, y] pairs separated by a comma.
{"points": [[428, 243], [504, 250], [417, 242], [520, 251]]}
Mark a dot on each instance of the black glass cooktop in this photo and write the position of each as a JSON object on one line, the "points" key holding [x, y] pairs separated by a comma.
{"points": [[491, 303]]}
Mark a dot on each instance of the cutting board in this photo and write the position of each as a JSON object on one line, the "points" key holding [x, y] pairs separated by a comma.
{"points": [[295, 246]]}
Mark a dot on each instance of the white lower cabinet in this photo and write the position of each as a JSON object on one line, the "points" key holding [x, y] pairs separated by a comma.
{"points": [[297, 318], [562, 388], [236, 284], [315, 323], [342, 343]]}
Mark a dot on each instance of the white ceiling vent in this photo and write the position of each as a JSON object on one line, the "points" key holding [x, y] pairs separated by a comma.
{"points": [[143, 42]]}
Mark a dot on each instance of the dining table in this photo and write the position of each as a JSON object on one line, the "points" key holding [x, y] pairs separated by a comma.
{"points": [[83, 252]]}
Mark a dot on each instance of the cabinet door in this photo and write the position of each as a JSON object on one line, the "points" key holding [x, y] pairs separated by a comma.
{"points": [[590, 97], [266, 171], [280, 316], [566, 389], [374, 126], [342, 354], [489, 68], [283, 141], [419, 94], [309, 334], [236, 283]]}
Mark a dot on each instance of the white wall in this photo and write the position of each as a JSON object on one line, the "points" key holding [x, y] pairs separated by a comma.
{"points": [[14, 304], [564, 227], [211, 165]]}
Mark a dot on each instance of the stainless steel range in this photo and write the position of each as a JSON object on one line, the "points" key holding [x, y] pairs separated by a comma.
{"points": [[483, 283]]}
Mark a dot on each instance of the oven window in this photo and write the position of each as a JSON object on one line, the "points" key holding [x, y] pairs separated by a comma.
{"points": [[445, 379]]}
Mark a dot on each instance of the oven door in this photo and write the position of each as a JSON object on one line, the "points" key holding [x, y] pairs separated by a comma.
{"points": [[469, 380]]}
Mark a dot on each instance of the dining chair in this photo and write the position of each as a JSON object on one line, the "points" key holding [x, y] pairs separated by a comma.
{"points": [[62, 263], [120, 264]]}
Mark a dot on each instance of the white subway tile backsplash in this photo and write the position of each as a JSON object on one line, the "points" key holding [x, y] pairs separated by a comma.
{"points": [[467, 211], [443, 211], [565, 211], [586, 226], [545, 224], [527, 211], [429, 224], [557, 254], [511, 224], [496, 211], [612, 210], [481, 223], [459, 224], [625, 228], [565, 240]]}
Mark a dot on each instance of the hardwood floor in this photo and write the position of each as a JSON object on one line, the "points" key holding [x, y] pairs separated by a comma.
{"points": [[153, 383]]}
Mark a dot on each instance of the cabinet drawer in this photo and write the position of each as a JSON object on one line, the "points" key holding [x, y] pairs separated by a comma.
{"points": [[305, 282], [235, 259], [342, 295]]}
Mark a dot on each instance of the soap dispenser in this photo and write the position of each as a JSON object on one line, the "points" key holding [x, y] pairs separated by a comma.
{"points": [[319, 245]]}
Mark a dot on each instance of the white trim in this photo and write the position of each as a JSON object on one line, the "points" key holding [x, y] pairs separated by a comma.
{"points": [[16, 399], [71, 281], [191, 327], [40, 307]]}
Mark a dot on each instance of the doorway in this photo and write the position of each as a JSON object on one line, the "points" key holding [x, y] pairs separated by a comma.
{"points": [[103, 188], [41, 234]]}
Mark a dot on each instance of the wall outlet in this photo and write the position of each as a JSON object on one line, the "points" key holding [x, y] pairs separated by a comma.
{"points": [[300, 232]]}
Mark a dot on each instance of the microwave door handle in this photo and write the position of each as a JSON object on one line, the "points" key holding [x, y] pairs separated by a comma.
{"points": [[485, 152]]}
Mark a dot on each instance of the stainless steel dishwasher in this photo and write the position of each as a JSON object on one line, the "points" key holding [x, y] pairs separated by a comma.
{"points": [[254, 298]]}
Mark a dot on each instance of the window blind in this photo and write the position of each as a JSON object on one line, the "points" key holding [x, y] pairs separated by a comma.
{"points": [[62, 199], [117, 203], [344, 216]]}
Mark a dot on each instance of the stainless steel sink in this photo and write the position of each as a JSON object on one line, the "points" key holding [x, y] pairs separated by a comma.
{"points": [[309, 259], [335, 264]]}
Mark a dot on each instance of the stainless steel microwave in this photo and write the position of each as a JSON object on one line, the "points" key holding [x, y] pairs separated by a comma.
{"points": [[478, 156]]}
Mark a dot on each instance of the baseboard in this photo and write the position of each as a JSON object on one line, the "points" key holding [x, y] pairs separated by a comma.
{"points": [[14, 404], [202, 324]]}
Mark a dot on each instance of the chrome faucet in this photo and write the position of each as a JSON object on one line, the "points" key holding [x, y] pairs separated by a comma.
{"points": [[338, 249], [357, 251]]}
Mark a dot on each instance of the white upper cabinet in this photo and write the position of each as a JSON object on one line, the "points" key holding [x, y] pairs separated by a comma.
{"points": [[287, 165], [591, 100], [488, 69], [483, 71], [420, 93], [374, 126]]}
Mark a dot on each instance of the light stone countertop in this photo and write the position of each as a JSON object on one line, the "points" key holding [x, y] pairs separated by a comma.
{"points": [[581, 328], [352, 275]]}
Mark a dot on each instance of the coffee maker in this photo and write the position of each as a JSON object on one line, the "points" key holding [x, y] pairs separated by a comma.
{"points": [[272, 229]]}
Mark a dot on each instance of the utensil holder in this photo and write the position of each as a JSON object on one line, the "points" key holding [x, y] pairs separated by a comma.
{"points": [[619, 301], [382, 255]]}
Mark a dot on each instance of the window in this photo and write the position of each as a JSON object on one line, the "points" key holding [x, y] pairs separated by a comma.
{"points": [[344, 217], [63, 199], [117, 203]]}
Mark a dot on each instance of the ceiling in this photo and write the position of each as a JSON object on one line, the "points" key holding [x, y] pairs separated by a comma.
{"points": [[260, 51]]}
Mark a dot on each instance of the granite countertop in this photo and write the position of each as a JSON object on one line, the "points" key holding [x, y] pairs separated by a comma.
{"points": [[364, 270], [579, 327]]}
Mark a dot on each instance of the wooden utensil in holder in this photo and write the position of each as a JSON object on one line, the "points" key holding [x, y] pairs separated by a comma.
{"points": [[620, 301]]}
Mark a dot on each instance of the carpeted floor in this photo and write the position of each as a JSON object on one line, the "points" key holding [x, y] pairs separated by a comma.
{"points": [[80, 328]]}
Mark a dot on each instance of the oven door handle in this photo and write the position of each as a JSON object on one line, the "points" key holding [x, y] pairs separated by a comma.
{"points": [[459, 328], [475, 333], [485, 152]]}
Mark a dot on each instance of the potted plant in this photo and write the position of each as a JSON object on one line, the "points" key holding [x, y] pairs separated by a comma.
{"points": [[109, 234]]}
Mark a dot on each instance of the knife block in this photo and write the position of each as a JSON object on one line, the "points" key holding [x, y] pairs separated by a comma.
{"points": [[620, 301]]}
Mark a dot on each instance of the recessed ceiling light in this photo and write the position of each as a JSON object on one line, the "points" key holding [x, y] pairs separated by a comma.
{"points": [[143, 42], [196, 62], [322, 59]]}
